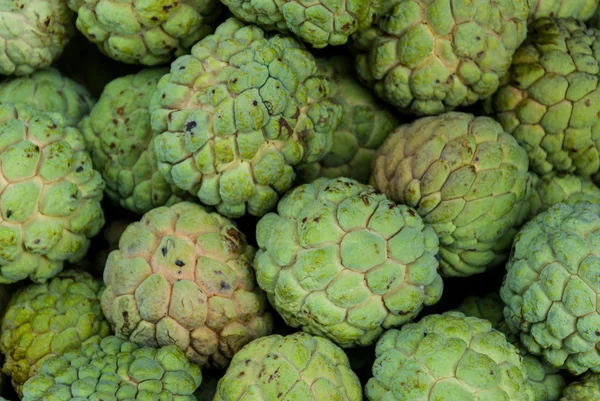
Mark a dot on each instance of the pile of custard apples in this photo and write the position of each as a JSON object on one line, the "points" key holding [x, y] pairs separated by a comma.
{"points": [[300, 200]]}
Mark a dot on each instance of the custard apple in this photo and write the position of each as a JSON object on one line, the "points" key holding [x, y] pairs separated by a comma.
{"points": [[44, 320], [447, 357], [552, 285], [550, 100], [587, 389], [116, 370], [581, 10], [340, 260], [233, 118], [147, 32], [34, 34], [466, 177], [48, 90], [426, 57], [365, 125], [183, 276], [119, 139], [294, 367], [49, 194]]}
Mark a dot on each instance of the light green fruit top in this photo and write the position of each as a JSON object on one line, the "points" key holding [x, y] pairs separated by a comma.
{"points": [[294, 367], [426, 57], [116, 370], [183, 276], [49, 194], [581, 10], [316, 22], [365, 124], [34, 34], [551, 288], [44, 320], [340, 260], [447, 357], [587, 389], [148, 32], [233, 118], [48, 90], [466, 177], [119, 138]]}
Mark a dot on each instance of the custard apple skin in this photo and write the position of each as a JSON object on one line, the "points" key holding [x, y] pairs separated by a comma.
{"points": [[365, 125], [341, 261], [466, 178], [50, 91], [426, 57], [49, 194], [551, 287], [183, 276], [550, 101], [581, 10], [146, 32], [116, 370], [587, 389], [233, 118], [119, 138], [34, 34], [447, 357], [295, 367], [44, 320]]}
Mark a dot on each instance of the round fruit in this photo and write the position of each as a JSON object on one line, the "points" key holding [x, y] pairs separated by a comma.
{"points": [[587, 389], [581, 10]]}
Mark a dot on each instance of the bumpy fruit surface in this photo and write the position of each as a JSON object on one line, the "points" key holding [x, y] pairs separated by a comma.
{"points": [[48, 90], [466, 177], [294, 367], [550, 100], [587, 389], [426, 57], [342, 261], [365, 125], [316, 22], [119, 138], [233, 118], [44, 320], [184, 276], [145, 32], [551, 288], [581, 10], [446, 358], [116, 370], [34, 34], [49, 194]]}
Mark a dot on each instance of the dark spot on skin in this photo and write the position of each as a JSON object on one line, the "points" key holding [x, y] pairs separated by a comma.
{"points": [[478, 37], [279, 59], [241, 374], [304, 220], [254, 103], [481, 53], [164, 251], [154, 18], [79, 169], [587, 102], [163, 95], [167, 8], [190, 125], [179, 263], [9, 213], [179, 272], [37, 241], [411, 212], [219, 273], [316, 220], [126, 318], [234, 80], [491, 373], [437, 81], [120, 110], [598, 332], [47, 22], [114, 121], [182, 68], [235, 234], [225, 286], [112, 145]]}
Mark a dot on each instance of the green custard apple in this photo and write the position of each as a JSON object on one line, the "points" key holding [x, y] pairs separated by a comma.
{"points": [[427, 57], [236, 115], [466, 177], [581, 10], [551, 287], [295, 367], [587, 389], [49, 194], [147, 32], [116, 370], [119, 138], [183, 276], [340, 260], [365, 125]]}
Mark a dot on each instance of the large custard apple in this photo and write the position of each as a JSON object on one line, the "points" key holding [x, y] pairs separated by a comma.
{"points": [[147, 32], [552, 285], [116, 370], [365, 125], [340, 260], [430, 56], [233, 118], [550, 100], [34, 34], [466, 177], [44, 320], [295, 367], [49, 194], [447, 357], [581, 10], [119, 138], [184, 276], [587, 389], [48, 90], [546, 381]]}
